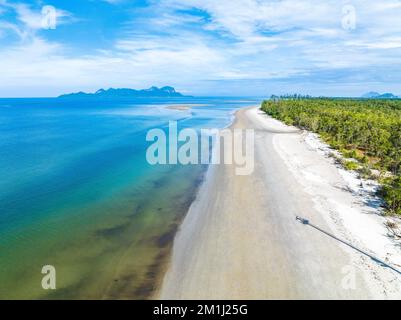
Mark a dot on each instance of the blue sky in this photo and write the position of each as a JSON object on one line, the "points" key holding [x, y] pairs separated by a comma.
{"points": [[202, 47]]}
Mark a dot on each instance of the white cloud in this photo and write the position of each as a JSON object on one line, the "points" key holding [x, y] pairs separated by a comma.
{"points": [[231, 40], [29, 21], [306, 26]]}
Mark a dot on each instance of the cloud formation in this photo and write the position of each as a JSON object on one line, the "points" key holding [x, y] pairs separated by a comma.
{"points": [[249, 47]]}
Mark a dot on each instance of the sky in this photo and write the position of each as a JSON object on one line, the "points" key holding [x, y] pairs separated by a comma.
{"points": [[201, 47]]}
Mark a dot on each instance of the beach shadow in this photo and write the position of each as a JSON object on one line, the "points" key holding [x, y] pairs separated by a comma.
{"points": [[375, 259], [369, 199], [373, 203]]}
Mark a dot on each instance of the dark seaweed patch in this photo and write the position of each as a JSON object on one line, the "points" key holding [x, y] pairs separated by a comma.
{"points": [[153, 276], [137, 210], [122, 287], [111, 232], [160, 183], [166, 238]]}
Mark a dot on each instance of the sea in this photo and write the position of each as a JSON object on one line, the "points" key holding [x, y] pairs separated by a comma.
{"points": [[77, 193]]}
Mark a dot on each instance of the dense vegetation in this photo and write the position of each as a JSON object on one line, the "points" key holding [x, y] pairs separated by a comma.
{"points": [[368, 131]]}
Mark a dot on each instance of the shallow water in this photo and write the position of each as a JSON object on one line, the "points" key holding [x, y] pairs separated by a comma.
{"points": [[77, 193]]}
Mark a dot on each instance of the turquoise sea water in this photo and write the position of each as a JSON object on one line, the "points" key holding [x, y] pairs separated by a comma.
{"points": [[77, 193]]}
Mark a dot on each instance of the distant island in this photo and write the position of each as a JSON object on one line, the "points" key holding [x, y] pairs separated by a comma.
{"points": [[376, 95], [152, 92]]}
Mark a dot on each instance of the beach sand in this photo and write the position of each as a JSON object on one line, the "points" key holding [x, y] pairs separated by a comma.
{"points": [[240, 238], [179, 107]]}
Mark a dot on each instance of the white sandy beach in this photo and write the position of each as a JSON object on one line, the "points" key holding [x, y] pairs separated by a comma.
{"points": [[240, 238]]}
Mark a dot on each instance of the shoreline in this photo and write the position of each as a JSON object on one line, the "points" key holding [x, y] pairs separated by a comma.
{"points": [[163, 260], [219, 254], [204, 185]]}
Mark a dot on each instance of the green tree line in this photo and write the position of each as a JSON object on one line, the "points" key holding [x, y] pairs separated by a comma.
{"points": [[367, 130]]}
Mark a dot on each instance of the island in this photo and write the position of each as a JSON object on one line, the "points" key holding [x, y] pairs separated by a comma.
{"points": [[376, 95], [152, 92]]}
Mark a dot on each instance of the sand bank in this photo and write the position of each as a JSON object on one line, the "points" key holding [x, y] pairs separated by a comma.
{"points": [[184, 107]]}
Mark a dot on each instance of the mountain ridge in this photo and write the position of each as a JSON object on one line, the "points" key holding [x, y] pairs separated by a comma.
{"points": [[152, 92], [376, 95]]}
